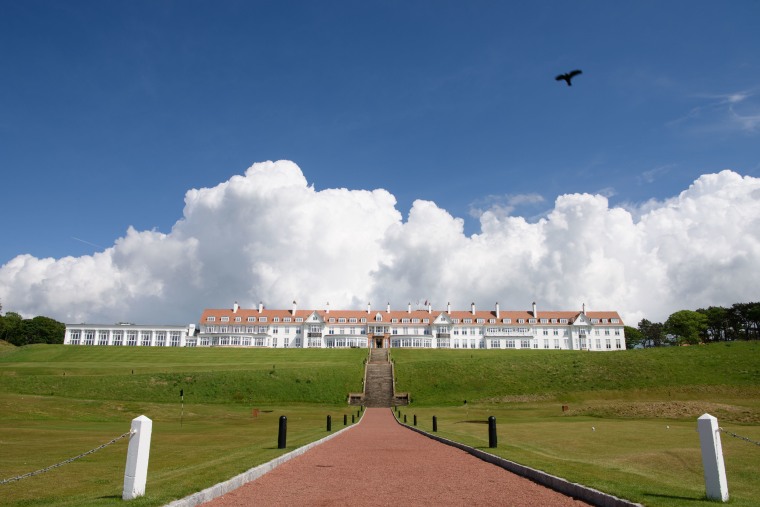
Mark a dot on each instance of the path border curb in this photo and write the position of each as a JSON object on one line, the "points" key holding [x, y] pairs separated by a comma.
{"points": [[572, 489], [252, 474]]}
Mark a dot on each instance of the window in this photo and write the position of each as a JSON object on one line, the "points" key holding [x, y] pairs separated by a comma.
{"points": [[175, 338], [225, 319], [510, 344], [563, 321], [286, 319], [481, 321], [131, 338], [118, 338], [276, 319], [161, 339], [299, 319], [342, 320], [506, 321], [467, 321], [251, 319], [262, 319], [544, 321], [363, 320], [210, 319], [524, 344], [521, 321], [102, 337], [75, 337], [89, 337], [237, 319], [145, 337], [352, 320], [531, 321]]}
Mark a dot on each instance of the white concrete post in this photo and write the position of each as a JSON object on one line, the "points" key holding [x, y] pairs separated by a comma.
{"points": [[716, 485], [136, 473]]}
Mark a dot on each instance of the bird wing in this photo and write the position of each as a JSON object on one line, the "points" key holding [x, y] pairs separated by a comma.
{"points": [[561, 77], [574, 73]]}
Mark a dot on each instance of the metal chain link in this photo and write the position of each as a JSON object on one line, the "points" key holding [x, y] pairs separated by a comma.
{"points": [[47, 469], [738, 436]]}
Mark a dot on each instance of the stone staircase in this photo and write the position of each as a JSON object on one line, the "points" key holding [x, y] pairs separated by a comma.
{"points": [[378, 389]]}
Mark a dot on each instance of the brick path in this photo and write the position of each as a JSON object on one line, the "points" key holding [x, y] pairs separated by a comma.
{"points": [[379, 462]]}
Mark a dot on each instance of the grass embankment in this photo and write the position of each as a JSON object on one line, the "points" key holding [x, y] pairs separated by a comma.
{"points": [[630, 424], [59, 401]]}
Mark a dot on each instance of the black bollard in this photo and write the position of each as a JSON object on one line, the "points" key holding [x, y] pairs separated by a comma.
{"points": [[415, 419], [345, 419], [492, 432], [283, 434], [404, 418], [352, 418], [329, 423], [435, 423]]}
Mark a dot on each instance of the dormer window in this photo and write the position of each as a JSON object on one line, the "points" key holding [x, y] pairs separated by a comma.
{"points": [[506, 321], [286, 319], [595, 321], [251, 319], [426, 321], [563, 321], [378, 318], [299, 319], [262, 319], [521, 321], [332, 320], [225, 319], [363, 320], [492, 321], [342, 320], [415, 321], [394, 321], [531, 321], [544, 321], [481, 321], [616, 321], [276, 319], [352, 320], [210, 319], [467, 321], [237, 319]]}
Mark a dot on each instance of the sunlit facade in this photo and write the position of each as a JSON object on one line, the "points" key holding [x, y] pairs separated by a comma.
{"points": [[410, 328]]}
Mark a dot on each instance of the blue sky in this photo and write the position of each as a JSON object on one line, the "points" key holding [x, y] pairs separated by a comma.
{"points": [[111, 111]]}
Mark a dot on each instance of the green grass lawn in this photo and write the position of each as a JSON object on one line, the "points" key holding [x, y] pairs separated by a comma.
{"points": [[642, 407], [46, 416]]}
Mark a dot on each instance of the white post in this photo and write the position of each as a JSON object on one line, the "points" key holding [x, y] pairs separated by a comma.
{"points": [[716, 485], [136, 473]]}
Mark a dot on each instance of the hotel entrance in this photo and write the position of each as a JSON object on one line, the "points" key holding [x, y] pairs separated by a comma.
{"points": [[378, 343]]}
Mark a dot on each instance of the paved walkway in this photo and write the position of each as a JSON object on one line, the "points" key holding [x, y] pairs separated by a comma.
{"points": [[379, 462]]}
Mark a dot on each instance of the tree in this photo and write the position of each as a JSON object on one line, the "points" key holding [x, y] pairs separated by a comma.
{"points": [[633, 337], [653, 332], [718, 323], [687, 326], [11, 330], [43, 330]]}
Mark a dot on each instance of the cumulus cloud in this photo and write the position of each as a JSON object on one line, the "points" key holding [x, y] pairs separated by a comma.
{"points": [[269, 236]]}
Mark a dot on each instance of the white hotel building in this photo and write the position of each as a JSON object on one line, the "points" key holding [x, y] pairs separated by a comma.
{"points": [[426, 328], [129, 335]]}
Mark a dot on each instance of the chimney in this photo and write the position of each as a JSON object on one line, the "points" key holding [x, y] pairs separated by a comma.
{"points": [[430, 308], [388, 308], [472, 308], [584, 309], [294, 307], [448, 308], [327, 310], [497, 310], [235, 307], [261, 307], [368, 309], [535, 312], [409, 308]]}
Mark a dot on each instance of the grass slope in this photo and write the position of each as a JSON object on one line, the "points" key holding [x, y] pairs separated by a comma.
{"points": [[630, 424], [46, 416]]}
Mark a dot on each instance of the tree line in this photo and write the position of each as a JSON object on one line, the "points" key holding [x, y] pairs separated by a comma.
{"points": [[20, 331], [741, 321]]}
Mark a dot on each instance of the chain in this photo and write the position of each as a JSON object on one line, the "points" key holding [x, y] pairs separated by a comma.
{"points": [[739, 436], [43, 470]]}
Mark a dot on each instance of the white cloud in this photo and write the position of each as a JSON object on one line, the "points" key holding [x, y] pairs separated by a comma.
{"points": [[723, 113], [268, 235]]}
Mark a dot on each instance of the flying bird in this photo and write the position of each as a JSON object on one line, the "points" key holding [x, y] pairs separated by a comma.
{"points": [[568, 76]]}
